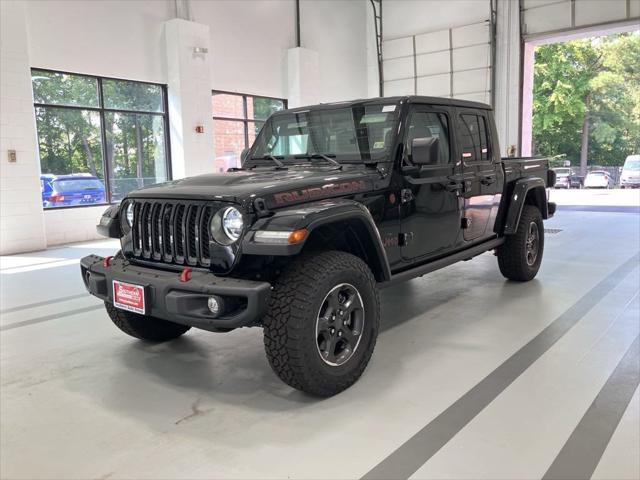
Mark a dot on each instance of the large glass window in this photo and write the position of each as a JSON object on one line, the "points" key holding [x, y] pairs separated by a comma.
{"points": [[237, 120], [98, 138]]}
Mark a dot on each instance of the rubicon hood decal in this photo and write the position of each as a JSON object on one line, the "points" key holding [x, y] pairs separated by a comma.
{"points": [[316, 193]]}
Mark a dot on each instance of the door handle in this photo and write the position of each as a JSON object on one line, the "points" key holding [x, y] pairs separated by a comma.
{"points": [[454, 187], [488, 180]]}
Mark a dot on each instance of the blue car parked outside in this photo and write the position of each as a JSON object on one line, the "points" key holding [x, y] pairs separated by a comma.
{"points": [[69, 190]]}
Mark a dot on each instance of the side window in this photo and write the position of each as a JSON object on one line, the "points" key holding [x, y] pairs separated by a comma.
{"points": [[430, 124], [474, 139]]}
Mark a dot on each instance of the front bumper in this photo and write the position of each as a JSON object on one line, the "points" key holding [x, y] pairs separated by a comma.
{"points": [[169, 298], [631, 183]]}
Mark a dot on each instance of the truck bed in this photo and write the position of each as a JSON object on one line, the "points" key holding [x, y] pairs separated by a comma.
{"points": [[520, 167]]}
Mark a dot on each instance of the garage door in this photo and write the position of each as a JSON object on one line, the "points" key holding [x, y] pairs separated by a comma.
{"points": [[455, 62], [547, 17]]}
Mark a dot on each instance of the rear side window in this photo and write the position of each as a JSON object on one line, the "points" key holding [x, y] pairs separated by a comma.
{"points": [[474, 138]]}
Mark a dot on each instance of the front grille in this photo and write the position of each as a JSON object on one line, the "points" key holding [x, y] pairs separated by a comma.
{"points": [[172, 232]]}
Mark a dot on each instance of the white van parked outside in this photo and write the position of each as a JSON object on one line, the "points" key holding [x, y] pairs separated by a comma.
{"points": [[630, 177]]}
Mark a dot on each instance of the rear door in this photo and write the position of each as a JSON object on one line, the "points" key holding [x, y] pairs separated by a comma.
{"points": [[482, 173]]}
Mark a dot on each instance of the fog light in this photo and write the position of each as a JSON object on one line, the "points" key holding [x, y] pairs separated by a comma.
{"points": [[215, 305]]}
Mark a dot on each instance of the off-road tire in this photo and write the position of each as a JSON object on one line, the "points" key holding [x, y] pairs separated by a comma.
{"points": [[512, 255], [144, 327], [290, 323]]}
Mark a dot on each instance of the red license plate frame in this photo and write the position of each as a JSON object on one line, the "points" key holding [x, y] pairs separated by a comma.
{"points": [[130, 297]]}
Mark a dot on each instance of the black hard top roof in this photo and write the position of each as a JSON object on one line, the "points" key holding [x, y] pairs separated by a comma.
{"points": [[414, 99]]}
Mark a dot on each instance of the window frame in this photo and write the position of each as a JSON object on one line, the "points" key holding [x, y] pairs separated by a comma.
{"points": [[481, 117], [102, 110], [417, 109], [246, 121]]}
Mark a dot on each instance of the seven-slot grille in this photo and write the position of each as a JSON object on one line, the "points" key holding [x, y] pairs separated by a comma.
{"points": [[172, 232]]}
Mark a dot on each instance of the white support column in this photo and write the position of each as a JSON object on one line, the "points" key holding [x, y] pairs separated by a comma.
{"points": [[21, 215], [507, 72], [189, 91], [527, 99], [303, 75]]}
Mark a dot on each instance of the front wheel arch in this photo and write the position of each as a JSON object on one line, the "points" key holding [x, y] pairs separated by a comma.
{"points": [[322, 220], [350, 236]]}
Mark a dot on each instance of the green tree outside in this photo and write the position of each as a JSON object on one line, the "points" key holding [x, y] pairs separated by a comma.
{"points": [[586, 100]]}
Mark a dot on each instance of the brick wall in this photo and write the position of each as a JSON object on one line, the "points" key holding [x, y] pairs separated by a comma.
{"points": [[228, 135], [21, 216]]}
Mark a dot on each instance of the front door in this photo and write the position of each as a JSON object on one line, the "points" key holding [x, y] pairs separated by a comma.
{"points": [[482, 175], [429, 210]]}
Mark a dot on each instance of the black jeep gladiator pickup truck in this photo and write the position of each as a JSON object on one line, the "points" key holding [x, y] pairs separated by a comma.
{"points": [[332, 203]]}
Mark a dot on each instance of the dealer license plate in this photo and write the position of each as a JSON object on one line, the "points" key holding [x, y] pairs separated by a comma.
{"points": [[127, 296]]}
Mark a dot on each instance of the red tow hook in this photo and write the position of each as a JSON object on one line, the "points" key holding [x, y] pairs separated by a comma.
{"points": [[106, 262], [185, 276]]}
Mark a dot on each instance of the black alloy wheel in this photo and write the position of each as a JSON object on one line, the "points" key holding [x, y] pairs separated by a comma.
{"points": [[533, 242], [340, 324]]}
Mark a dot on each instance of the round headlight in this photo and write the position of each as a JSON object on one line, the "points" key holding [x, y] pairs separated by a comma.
{"points": [[232, 223], [129, 214], [227, 225]]}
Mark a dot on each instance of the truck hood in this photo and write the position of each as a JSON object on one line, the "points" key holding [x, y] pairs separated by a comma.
{"points": [[276, 187]]}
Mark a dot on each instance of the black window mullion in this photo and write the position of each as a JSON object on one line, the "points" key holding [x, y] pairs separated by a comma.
{"points": [[246, 126], [103, 137], [167, 141]]}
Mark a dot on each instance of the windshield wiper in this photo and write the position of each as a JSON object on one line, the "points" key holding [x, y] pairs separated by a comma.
{"points": [[273, 158], [321, 156]]}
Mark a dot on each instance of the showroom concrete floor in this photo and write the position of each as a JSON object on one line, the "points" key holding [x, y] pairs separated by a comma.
{"points": [[473, 377]]}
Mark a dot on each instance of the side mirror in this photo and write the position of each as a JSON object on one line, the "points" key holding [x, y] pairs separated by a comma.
{"points": [[243, 155], [424, 151]]}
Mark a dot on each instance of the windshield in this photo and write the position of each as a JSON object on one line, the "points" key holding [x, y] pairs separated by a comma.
{"points": [[597, 174], [78, 184], [632, 165], [349, 134], [563, 172]]}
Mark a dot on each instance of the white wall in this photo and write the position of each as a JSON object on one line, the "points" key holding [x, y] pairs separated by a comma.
{"points": [[69, 225], [336, 29], [249, 42], [114, 38], [21, 220]]}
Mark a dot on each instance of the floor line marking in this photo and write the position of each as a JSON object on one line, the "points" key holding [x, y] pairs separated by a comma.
{"points": [[417, 450], [46, 318], [45, 302], [46, 262], [582, 452], [34, 267]]}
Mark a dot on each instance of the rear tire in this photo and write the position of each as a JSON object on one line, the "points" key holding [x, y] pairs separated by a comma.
{"points": [[322, 323], [145, 327], [519, 258]]}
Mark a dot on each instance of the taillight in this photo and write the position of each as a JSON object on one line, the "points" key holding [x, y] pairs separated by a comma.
{"points": [[56, 197]]}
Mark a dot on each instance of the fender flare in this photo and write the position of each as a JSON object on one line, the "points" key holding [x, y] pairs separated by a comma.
{"points": [[314, 215], [518, 197]]}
